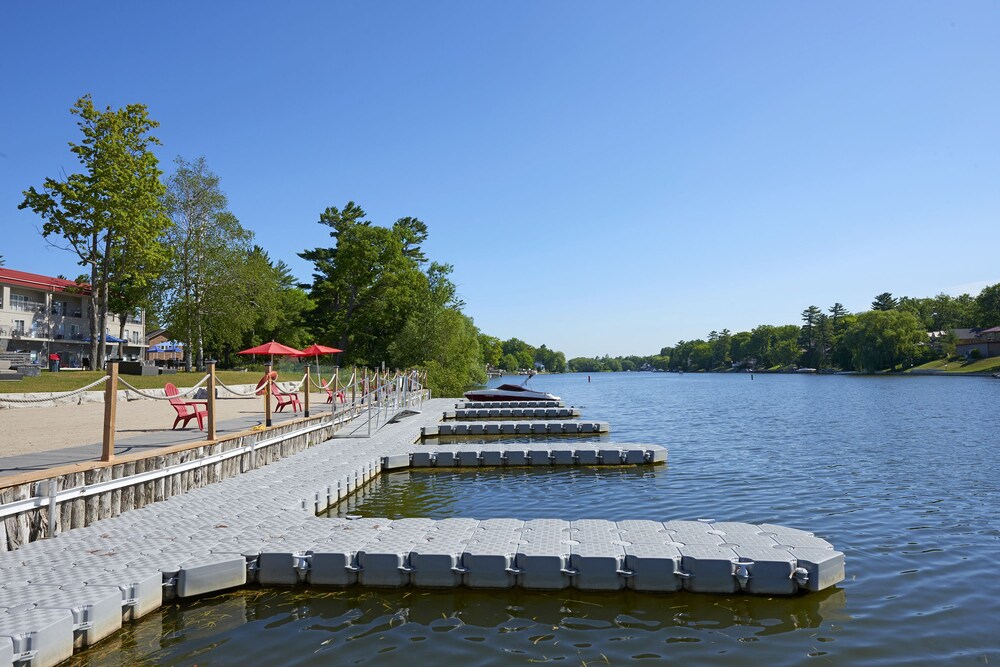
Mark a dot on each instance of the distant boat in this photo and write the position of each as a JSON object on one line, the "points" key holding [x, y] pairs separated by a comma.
{"points": [[805, 370]]}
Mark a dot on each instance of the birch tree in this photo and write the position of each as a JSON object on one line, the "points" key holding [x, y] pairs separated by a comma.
{"points": [[209, 246]]}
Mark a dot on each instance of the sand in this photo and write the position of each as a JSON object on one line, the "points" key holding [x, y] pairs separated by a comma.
{"points": [[29, 430]]}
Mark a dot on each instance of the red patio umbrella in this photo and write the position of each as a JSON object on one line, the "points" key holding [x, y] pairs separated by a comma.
{"points": [[272, 349], [315, 350]]}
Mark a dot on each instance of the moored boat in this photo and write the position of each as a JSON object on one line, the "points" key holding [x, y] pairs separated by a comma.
{"points": [[509, 392]]}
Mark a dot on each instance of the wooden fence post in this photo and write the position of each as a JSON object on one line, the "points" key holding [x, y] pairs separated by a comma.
{"points": [[211, 400], [110, 406]]}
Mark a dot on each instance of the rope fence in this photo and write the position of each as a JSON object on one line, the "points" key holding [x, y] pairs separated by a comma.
{"points": [[56, 396], [378, 392]]}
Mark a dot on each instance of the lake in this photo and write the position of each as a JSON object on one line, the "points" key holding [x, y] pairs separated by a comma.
{"points": [[899, 473]]}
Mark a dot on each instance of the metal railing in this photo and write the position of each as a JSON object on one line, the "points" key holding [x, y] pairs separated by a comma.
{"points": [[385, 396]]}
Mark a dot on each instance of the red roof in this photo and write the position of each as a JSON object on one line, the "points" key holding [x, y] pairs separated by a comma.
{"points": [[35, 281], [993, 330]]}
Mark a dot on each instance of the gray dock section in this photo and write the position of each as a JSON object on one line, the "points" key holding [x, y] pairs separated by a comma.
{"points": [[509, 404], [484, 428], [69, 591], [512, 413]]}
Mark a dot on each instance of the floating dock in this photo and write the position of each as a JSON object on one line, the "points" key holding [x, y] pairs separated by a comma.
{"points": [[576, 427], [507, 413], [67, 592], [461, 405]]}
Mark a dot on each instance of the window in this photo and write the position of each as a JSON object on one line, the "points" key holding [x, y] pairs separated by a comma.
{"points": [[74, 332], [58, 307], [20, 303], [19, 327]]}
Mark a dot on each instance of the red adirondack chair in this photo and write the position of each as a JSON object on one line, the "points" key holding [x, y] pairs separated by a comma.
{"points": [[186, 410], [340, 395], [284, 398]]}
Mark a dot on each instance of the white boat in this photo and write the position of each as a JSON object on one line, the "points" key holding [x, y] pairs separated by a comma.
{"points": [[509, 392]]}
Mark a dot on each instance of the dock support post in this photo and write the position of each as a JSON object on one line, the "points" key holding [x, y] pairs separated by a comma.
{"points": [[211, 400], [110, 406]]}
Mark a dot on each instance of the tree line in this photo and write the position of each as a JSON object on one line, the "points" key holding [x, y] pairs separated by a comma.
{"points": [[895, 333], [173, 247]]}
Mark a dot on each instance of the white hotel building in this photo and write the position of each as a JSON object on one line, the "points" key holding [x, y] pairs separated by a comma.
{"points": [[41, 315]]}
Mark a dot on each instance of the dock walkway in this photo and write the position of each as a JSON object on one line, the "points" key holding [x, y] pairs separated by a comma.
{"points": [[262, 526]]}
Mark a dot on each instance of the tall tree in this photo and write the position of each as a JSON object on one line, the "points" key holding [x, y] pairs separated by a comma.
{"points": [[210, 273], [884, 301], [808, 337], [837, 311], [881, 340], [110, 215], [988, 306]]}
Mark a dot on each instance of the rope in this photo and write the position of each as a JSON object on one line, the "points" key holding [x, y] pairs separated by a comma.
{"points": [[54, 397], [252, 392], [320, 385], [157, 397]]}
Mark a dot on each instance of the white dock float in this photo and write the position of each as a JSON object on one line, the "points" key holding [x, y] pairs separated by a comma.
{"points": [[483, 428], [261, 527]]}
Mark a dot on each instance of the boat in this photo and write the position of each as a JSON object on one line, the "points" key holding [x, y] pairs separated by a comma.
{"points": [[509, 392]]}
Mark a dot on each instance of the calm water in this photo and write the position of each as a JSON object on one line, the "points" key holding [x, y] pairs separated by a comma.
{"points": [[901, 474]]}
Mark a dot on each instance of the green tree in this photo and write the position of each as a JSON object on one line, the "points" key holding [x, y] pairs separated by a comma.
{"points": [[508, 362], [445, 342], [988, 306], [367, 285], [280, 305], [884, 339], [213, 272], [812, 352], [110, 215], [884, 301], [491, 350]]}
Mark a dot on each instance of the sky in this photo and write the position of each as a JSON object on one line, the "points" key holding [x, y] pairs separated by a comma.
{"points": [[606, 178]]}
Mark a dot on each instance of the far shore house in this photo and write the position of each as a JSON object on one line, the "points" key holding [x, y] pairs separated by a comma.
{"points": [[41, 315], [986, 341]]}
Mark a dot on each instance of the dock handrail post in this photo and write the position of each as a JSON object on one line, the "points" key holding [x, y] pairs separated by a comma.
{"points": [[267, 395], [336, 391], [354, 384], [369, 405], [307, 390], [110, 405], [211, 399]]}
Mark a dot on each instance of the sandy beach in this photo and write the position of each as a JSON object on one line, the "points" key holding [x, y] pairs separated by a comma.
{"points": [[30, 430]]}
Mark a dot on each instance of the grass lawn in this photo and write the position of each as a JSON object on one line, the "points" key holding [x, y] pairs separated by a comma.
{"points": [[989, 365], [70, 380]]}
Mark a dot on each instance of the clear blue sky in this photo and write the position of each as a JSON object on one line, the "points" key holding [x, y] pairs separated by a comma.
{"points": [[605, 177]]}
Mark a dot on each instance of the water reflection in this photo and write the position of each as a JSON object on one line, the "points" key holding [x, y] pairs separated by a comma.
{"points": [[360, 623], [522, 493]]}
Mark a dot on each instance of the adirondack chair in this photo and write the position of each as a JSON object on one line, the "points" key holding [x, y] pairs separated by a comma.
{"points": [[284, 398], [340, 395], [186, 410]]}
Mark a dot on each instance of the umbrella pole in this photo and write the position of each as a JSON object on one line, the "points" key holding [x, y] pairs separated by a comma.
{"points": [[267, 395], [307, 391]]}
